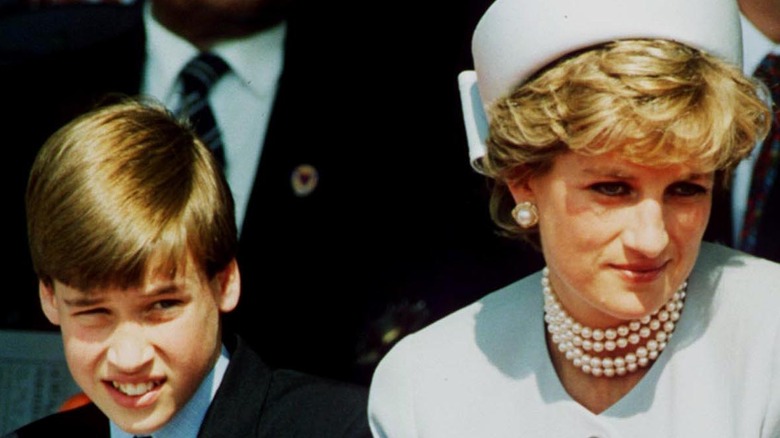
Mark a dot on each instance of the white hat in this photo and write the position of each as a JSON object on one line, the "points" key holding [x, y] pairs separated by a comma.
{"points": [[516, 38]]}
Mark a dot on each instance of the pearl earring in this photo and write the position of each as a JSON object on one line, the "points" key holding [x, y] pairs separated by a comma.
{"points": [[525, 214]]}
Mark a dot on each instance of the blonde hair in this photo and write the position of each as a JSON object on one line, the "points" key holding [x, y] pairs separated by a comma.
{"points": [[120, 186], [657, 102]]}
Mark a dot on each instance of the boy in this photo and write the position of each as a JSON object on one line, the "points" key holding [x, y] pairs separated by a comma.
{"points": [[133, 238]]}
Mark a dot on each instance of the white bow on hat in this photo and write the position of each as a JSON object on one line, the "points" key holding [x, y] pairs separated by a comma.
{"points": [[515, 38]]}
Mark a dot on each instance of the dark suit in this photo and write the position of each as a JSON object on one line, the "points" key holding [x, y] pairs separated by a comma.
{"points": [[252, 401], [720, 225], [768, 245], [395, 235]]}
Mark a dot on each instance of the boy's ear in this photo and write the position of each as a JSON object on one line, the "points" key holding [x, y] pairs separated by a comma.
{"points": [[228, 283], [49, 302]]}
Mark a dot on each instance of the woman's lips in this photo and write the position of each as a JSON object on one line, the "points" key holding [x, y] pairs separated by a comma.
{"points": [[641, 272]]}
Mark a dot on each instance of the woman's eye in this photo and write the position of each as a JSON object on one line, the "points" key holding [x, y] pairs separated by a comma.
{"points": [[685, 189], [611, 188]]}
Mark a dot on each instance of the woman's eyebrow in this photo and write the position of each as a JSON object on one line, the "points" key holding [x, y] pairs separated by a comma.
{"points": [[611, 172], [616, 172], [698, 176]]}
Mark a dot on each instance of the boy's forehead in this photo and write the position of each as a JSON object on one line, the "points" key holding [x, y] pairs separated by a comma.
{"points": [[162, 275], [162, 286], [166, 269]]}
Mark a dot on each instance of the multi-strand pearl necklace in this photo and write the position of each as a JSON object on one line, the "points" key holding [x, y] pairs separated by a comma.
{"points": [[581, 345]]}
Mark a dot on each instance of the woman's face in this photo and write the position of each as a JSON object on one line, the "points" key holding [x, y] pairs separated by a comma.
{"points": [[619, 238]]}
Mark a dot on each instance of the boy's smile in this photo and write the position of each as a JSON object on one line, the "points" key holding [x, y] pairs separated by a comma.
{"points": [[134, 395], [140, 353], [135, 389]]}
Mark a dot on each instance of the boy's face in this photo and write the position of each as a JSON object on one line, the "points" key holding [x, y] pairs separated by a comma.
{"points": [[141, 353]]}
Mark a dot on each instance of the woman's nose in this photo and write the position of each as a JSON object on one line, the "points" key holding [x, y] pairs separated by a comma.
{"points": [[645, 230], [129, 350]]}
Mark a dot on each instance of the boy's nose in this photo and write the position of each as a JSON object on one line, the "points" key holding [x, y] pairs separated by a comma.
{"points": [[129, 350]]}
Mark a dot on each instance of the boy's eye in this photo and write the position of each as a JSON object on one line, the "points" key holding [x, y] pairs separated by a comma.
{"points": [[687, 189], [611, 188], [94, 317], [92, 312], [165, 304]]}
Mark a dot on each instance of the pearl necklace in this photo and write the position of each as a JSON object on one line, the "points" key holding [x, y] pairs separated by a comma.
{"points": [[581, 344]]}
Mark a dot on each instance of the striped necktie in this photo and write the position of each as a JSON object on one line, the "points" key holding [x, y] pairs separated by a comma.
{"points": [[765, 171], [197, 78]]}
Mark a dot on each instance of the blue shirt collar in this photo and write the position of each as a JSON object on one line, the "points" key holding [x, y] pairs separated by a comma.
{"points": [[186, 423]]}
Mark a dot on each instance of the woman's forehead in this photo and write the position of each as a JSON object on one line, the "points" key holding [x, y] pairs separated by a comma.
{"points": [[631, 153], [620, 165]]}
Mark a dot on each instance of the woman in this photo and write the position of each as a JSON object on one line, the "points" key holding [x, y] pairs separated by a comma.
{"points": [[611, 124]]}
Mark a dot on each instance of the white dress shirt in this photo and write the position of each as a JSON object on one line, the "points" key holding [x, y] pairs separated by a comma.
{"points": [[242, 100]]}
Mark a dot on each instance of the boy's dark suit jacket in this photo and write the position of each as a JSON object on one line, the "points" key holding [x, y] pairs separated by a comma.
{"points": [[395, 235], [252, 401]]}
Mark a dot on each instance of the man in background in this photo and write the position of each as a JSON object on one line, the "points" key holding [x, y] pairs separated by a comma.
{"points": [[747, 216], [359, 217]]}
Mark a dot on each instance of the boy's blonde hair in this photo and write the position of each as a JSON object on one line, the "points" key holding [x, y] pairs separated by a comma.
{"points": [[122, 185]]}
